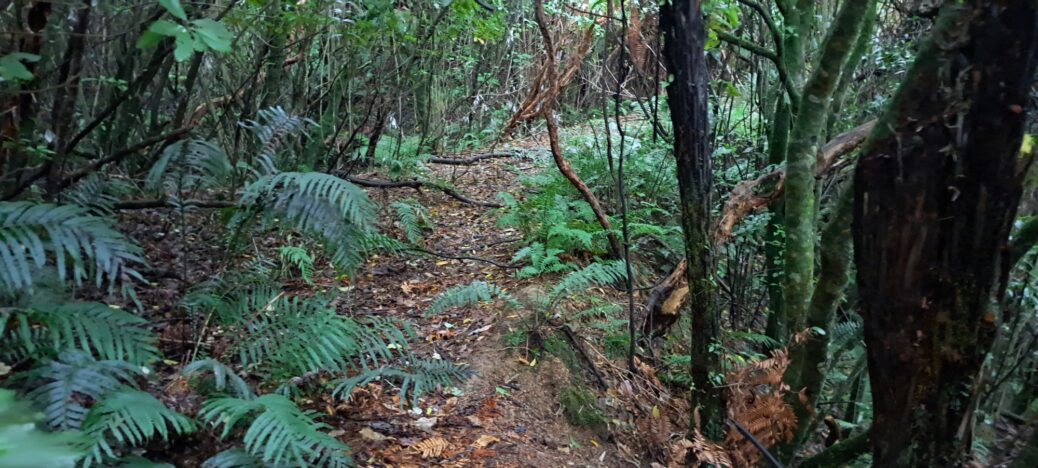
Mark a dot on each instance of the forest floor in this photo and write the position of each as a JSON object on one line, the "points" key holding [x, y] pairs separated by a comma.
{"points": [[508, 413]]}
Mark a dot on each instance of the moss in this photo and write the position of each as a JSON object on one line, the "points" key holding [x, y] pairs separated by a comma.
{"points": [[580, 409]]}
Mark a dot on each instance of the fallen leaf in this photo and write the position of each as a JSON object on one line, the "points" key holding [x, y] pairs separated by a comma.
{"points": [[433, 447], [425, 424], [369, 434], [485, 440]]}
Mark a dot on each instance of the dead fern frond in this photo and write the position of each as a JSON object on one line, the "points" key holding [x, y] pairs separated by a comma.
{"points": [[433, 447]]}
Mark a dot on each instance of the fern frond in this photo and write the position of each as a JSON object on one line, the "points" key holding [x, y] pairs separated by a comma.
{"points": [[281, 433], [223, 376], [301, 259], [413, 219], [95, 328], [421, 377], [188, 165], [62, 386], [595, 274], [472, 293], [22, 444], [132, 417], [316, 204], [232, 458], [273, 127], [78, 243], [93, 193]]}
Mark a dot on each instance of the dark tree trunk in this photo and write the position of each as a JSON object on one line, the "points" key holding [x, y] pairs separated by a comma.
{"points": [[936, 192], [682, 24]]}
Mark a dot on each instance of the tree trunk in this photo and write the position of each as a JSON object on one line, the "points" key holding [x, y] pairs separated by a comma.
{"points": [[935, 196], [800, 163], [684, 36]]}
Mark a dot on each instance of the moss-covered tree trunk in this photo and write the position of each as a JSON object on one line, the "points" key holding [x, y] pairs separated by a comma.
{"points": [[800, 162], [935, 196], [684, 34]]}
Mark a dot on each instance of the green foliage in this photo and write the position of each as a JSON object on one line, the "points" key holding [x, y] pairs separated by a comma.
{"points": [[129, 416], [198, 35], [81, 245], [542, 260], [417, 379], [282, 336], [472, 293], [280, 432], [23, 444], [12, 68], [413, 219], [188, 165], [596, 274], [232, 458], [63, 386], [223, 377], [579, 406], [274, 128], [315, 204], [45, 329], [299, 258]]}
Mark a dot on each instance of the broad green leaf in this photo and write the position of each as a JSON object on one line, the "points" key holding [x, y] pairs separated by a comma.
{"points": [[174, 8], [214, 34], [148, 39], [166, 28], [12, 69], [185, 47]]}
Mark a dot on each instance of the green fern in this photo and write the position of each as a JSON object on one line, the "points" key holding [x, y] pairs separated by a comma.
{"points": [[94, 193], [417, 379], [95, 328], [232, 458], [223, 377], [316, 204], [280, 433], [188, 165], [472, 293], [61, 387], [301, 259], [595, 274], [413, 219], [79, 243], [23, 444], [273, 127], [542, 260], [132, 417]]}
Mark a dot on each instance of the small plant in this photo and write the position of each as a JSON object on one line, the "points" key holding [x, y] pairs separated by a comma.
{"points": [[298, 257], [579, 406]]}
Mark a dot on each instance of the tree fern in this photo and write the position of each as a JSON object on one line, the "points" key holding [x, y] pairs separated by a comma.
{"points": [[472, 293], [108, 333], [128, 416], [63, 386], [280, 433], [22, 444], [79, 243], [419, 378], [188, 165], [223, 377], [299, 258]]}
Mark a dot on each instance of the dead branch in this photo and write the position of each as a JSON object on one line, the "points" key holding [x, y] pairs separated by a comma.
{"points": [[746, 197], [471, 159], [418, 186]]}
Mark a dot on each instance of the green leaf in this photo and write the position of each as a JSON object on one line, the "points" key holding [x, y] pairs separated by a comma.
{"points": [[12, 69], [185, 47], [166, 28], [174, 8], [148, 40], [214, 34]]}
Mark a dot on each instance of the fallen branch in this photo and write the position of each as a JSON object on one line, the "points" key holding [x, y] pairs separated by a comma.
{"points": [[465, 257], [665, 300], [418, 185], [745, 198], [473, 159]]}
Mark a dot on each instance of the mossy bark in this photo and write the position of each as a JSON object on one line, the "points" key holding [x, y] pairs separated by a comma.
{"points": [[936, 193], [800, 163], [685, 36]]}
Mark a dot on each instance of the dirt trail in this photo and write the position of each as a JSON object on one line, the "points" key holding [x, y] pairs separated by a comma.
{"points": [[507, 413]]}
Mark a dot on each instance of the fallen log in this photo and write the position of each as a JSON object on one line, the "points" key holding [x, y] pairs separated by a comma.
{"points": [[470, 160], [418, 186]]}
